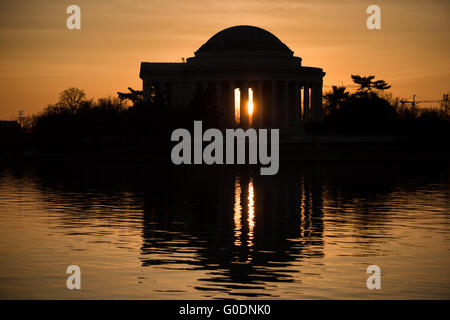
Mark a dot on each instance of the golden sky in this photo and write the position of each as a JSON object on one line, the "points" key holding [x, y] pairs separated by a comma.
{"points": [[40, 57]]}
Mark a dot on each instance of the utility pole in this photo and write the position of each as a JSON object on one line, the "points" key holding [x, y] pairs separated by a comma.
{"points": [[445, 102], [413, 102], [20, 119]]}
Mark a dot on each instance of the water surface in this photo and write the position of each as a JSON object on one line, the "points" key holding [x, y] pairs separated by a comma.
{"points": [[155, 232]]}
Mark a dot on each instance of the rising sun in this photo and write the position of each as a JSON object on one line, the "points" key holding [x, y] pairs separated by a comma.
{"points": [[250, 102]]}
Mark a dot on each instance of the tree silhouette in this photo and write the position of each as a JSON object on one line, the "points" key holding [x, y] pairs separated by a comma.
{"points": [[366, 84], [71, 99], [135, 96], [335, 98], [363, 112]]}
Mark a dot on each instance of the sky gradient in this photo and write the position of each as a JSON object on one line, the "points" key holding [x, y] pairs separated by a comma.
{"points": [[40, 57]]}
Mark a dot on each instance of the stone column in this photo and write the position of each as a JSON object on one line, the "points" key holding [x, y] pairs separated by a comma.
{"points": [[306, 110], [286, 104], [220, 104], [258, 98], [313, 101], [316, 95], [319, 102], [230, 111], [274, 106], [298, 105]]}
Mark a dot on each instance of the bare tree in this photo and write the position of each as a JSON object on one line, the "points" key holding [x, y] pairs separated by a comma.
{"points": [[71, 98]]}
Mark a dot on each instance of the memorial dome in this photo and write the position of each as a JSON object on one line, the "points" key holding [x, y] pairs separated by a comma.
{"points": [[244, 38]]}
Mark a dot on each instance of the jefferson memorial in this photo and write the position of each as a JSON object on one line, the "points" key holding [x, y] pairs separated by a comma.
{"points": [[257, 80]]}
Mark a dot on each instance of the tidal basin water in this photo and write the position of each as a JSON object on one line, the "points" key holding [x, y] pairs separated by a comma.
{"points": [[154, 232]]}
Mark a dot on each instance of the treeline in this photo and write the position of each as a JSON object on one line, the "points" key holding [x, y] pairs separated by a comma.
{"points": [[370, 110], [78, 122]]}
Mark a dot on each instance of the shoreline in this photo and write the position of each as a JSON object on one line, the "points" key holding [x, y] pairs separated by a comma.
{"points": [[296, 148]]}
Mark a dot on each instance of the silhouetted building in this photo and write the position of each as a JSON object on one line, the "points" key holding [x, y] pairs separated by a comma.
{"points": [[285, 93]]}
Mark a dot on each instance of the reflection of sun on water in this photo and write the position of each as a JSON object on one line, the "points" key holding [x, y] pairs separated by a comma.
{"points": [[251, 212], [237, 213]]}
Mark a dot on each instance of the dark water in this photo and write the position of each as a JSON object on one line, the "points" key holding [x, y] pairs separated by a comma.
{"points": [[155, 232]]}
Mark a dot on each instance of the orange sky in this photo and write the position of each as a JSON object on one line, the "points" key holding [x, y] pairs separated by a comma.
{"points": [[40, 57]]}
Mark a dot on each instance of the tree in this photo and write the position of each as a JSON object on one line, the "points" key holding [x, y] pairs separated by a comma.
{"points": [[71, 99], [366, 84], [365, 112], [135, 96], [335, 98]]}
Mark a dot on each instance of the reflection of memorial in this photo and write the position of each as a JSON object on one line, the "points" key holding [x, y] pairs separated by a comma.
{"points": [[246, 228], [241, 229]]}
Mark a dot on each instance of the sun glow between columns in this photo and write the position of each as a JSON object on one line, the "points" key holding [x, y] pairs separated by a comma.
{"points": [[250, 105], [237, 105]]}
